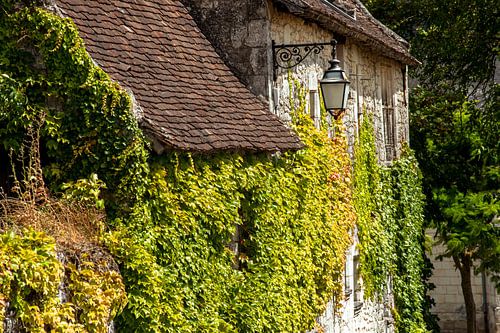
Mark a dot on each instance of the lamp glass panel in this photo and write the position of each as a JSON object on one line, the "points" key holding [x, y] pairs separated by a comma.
{"points": [[333, 94], [346, 96]]}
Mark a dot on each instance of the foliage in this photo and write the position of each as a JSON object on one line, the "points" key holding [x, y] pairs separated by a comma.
{"points": [[460, 161], [86, 191], [87, 123], [172, 217], [455, 137], [30, 278], [97, 291], [409, 287], [389, 204], [456, 41], [375, 243]]}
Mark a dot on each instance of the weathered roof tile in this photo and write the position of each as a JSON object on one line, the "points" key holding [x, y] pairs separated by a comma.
{"points": [[191, 100], [364, 28]]}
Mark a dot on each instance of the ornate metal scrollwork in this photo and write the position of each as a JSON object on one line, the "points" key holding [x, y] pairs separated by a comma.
{"points": [[287, 56]]}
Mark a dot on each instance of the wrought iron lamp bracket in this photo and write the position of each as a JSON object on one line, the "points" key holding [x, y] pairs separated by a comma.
{"points": [[288, 56]]}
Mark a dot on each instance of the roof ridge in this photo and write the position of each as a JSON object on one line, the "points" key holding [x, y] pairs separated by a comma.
{"points": [[386, 29], [351, 13]]}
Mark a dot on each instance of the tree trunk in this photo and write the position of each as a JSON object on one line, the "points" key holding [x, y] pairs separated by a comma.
{"points": [[464, 264]]}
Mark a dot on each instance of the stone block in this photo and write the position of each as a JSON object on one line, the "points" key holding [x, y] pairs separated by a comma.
{"points": [[256, 33], [450, 299], [238, 35], [460, 326]]}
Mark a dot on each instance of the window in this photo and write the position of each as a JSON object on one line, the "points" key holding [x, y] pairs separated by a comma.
{"points": [[388, 114], [234, 246], [314, 103], [358, 286], [239, 239], [348, 278]]}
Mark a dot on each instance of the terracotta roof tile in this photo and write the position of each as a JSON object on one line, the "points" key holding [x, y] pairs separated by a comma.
{"points": [[191, 100]]}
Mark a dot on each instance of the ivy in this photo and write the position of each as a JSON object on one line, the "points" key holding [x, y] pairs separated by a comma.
{"points": [[290, 262], [389, 202], [172, 217], [174, 220], [30, 280], [375, 210], [87, 124]]}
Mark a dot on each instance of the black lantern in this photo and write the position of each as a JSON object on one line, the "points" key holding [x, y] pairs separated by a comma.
{"points": [[335, 88], [334, 85]]}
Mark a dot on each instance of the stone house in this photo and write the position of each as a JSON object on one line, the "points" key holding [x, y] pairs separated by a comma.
{"points": [[185, 97], [195, 84], [218, 84], [250, 35]]}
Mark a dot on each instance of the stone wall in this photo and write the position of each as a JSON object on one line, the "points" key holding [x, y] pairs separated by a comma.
{"points": [[363, 67], [354, 316], [372, 318], [290, 29], [365, 71], [242, 32], [239, 31], [450, 304]]}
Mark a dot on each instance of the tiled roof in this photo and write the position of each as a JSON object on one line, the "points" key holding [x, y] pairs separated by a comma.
{"points": [[364, 28], [190, 99]]}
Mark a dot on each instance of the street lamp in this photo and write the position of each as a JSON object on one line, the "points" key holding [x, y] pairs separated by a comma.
{"points": [[335, 87], [334, 84]]}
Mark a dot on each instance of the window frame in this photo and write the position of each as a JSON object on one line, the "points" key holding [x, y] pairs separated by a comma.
{"points": [[388, 112]]}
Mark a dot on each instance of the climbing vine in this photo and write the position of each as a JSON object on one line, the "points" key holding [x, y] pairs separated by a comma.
{"points": [[30, 280], [293, 213], [174, 219], [228, 242], [389, 204], [375, 241], [87, 127]]}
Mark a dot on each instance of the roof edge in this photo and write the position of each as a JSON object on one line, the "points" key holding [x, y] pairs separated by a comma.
{"points": [[161, 141], [326, 21]]}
